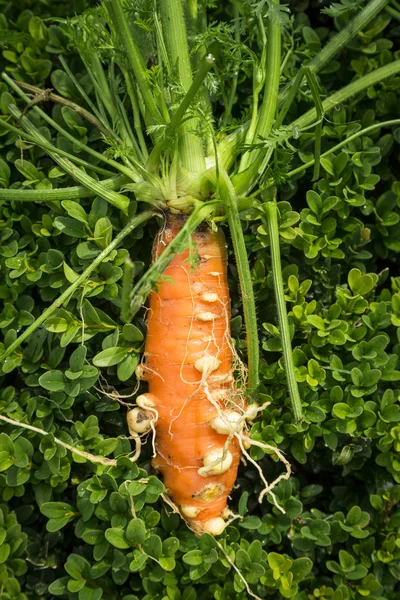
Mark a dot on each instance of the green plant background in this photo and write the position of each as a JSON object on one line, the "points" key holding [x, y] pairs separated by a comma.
{"points": [[72, 529]]}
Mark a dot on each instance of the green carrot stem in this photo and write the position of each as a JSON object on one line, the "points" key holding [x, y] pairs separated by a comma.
{"points": [[192, 11], [273, 230], [232, 92], [228, 147], [101, 84], [258, 81], [341, 144], [268, 107], [393, 12], [272, 78], [353, 88], [64, 132], [308, 118], [118, 200], [46, 145], [176, 120], [58, 194], [191, 147], [83, 93], [313, 85], [136, 115], [135, 222], [135, 58], [228, 196], [340, 40], [290, 97]]}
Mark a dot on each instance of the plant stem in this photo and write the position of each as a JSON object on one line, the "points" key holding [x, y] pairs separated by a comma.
{"points": [[258, 82], [164, 70], [393, 12], [231, 98], [192, 11], [176, 120], [313, 85], [145, 284], [273, 230], [272, 77], [180, 112], [296, 83], [340, 40], [58, 194], [228, 195], [115, 198], [229, 146], [135, 222], [83, 93], [135, 58], [136, 116], [101, 85], [82, 112], [269, 104], [341, 144], [191, 148], [124, 123], [66, 134], [353, 88], [46, 145], [328, 104]]}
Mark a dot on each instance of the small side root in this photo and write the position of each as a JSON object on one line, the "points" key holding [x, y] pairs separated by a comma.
{"points": [[268, 487], [242, 578], [232, 517], [101, 460], [138, 446], [171, 504], [114, 394], [153, 437]]}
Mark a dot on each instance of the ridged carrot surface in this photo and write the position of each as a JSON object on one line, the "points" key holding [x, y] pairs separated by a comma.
{"points": [[189, 319]]}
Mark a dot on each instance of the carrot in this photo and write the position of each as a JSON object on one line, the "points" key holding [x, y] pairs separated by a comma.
{"points": [[192, 399]]}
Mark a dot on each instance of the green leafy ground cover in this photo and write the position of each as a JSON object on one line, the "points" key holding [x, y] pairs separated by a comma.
{"points": [[76, 529]]}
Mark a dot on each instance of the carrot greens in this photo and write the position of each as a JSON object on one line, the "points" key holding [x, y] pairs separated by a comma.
{"points": [[231, 168], [179, 136]]}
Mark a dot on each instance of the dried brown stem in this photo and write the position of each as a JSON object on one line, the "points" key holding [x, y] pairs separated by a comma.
{"points": [[48, 95]]}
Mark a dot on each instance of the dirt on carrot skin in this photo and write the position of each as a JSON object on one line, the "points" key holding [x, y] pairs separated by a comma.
{"points": [[188, 365]]}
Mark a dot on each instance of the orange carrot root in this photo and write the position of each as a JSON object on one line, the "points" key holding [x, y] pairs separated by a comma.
{"points": [[188, 366]]}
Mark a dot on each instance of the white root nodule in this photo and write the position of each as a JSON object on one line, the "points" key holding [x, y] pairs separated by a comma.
{"points": [[206, 316], [227, 422], [209, 297], [145, 401], [207, 364], [223, 378], [190, 512], [252, 411], [141, 373], [139, 421], [216, 462]]}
